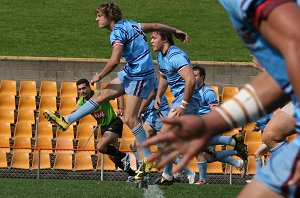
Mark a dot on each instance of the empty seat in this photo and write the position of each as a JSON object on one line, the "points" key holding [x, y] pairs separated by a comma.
{"points": [[229, 92], [69, 133], [27, 102], [44, 129], [68, 89], [4, 142], [8, 87], [3, 159], [5, 130], [127, 134], [48, 88], [64, 145], [26, 116], [192, 164], [48, 102], [107, 163], [7, 116], [252, 147], [63, 161], [20, 159], [67, 103], [41, 118], [23, 129], [44, 143], [7, 102], [22, 144], [251, 168], [83, 161], [88, 120], [27, 87], [44, 159], [252, 137], [86, 144], [215, 167], [93, 87], [170, 97], [84, 131]]}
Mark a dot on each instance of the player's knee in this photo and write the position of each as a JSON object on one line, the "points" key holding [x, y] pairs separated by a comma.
{"points": [[101, 148]]}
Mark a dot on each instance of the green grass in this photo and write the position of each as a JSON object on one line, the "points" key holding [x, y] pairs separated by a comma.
{"points": [[87, 188], [67, 28]]}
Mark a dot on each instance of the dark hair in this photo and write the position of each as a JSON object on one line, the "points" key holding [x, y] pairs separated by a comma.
{"points": [[166, 35], [83, 81], [110, 11], [201, 71]]}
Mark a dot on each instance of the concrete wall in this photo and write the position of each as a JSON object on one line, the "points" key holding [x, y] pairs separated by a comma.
{"points": [[72, 69]]}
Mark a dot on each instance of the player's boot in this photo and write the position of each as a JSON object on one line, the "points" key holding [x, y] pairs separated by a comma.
{"points": [[57, 120], [144, 169], [164, 182], [242, 167], [240, 147], [126, 162]]}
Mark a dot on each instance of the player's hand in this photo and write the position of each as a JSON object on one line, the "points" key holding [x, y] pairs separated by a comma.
{"points": [[96, 78], [157, 102], [187, 148], [178, 111], [181, 36]]}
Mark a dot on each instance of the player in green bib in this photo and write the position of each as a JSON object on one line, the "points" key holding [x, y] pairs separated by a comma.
{"points": [[111, 127]]}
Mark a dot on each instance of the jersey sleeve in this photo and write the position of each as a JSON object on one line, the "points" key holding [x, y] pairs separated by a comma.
{"points": [[211, 98], [118, 36], [178, 62]]}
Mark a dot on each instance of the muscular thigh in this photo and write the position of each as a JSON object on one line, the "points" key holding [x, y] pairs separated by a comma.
{"points": [[109, 138], [281, 125]]}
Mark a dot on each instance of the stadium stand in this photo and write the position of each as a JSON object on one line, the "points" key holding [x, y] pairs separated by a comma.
{"points": [[48, 88], [27, 87], [8, 87]]}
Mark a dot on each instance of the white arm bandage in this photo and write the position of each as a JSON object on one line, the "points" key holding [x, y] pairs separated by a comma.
{"points": [[245, 107]]}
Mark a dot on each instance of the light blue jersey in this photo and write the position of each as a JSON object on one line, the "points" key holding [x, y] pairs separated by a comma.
{"points": [[208, 99], [139, 63], [170, 66], [279, 169]]}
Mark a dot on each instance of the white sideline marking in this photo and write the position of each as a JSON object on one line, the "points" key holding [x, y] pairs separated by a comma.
{"points": [[153, 191]]}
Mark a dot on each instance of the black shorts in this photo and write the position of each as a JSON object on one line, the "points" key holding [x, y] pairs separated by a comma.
{"points": [[116, 126]]}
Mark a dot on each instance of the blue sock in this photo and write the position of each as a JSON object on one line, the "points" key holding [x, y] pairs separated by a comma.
{"points": [[258, 163], [278, 147], [87, 108], [185, 168], [168, 170], [202, 166], [225, 153], [140, 135], [221, 139], [230, 160]]}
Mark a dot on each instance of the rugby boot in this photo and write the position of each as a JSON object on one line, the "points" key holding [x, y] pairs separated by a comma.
{"points": [[56, 120], [240, 147], [144, 169]]}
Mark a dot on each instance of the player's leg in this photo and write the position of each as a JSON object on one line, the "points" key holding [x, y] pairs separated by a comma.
{"points": [[113, 90], [278, 128], [202, 167], [261, 150]]}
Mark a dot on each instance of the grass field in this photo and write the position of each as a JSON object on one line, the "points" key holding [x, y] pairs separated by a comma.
{"points": [[67, 28], [86, 188]]}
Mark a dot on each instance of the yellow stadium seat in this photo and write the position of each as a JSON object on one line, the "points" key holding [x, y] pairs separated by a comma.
{"points": [[4, 141], [229, 92], [63, 161], [7, 102], [44, 143], [8, 87], [3, 159], [22, 144], [64, 143], [83, 161], [216, 89], [88, 120], [107, 165], [44, 160], [7, 116], [252, 137], [48, 88], [251, 168], [68, 89], [84, 131], [5, 130], [27, 102], [67, 103], [48, 102], [214, 167], [90, 145], [27, 87], [20, 160], [69, 133], [44, 129], [26, 116], [23, 129]]}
